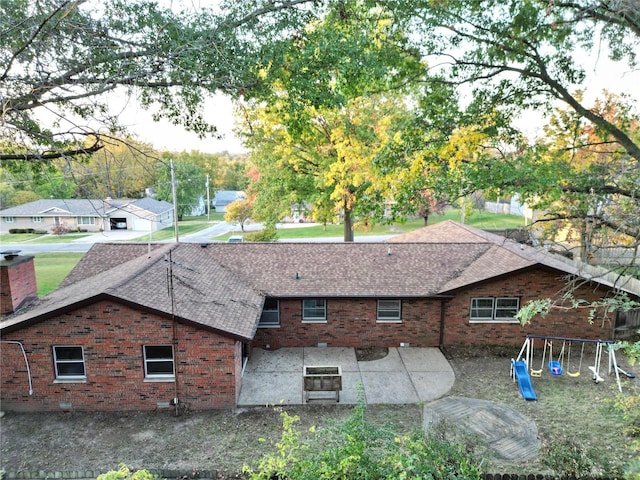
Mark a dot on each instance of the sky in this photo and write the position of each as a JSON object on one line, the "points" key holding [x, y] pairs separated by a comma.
{"points": [[165, 136], [601, 74]]}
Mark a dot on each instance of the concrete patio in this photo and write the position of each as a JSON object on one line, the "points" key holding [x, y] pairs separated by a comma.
{"points": [[405, 375]]}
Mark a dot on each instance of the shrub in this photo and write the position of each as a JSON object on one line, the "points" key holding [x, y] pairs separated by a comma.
{"points": [[124, 473], [59, 229], [358, 449], [267, 234], [567, 458]]}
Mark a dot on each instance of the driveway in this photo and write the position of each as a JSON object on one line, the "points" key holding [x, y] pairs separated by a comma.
{"points": [[405, 375]]}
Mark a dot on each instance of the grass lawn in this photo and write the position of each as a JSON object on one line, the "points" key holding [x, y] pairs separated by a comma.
{"points": [[51, 268], [17, 237], [479, 219], [185, 227]]}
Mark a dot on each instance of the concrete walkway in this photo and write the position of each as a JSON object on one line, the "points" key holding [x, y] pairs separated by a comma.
{"points": [[405, 375]]}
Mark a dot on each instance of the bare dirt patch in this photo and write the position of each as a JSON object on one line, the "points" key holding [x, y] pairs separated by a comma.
{"points": [[224, 441]]}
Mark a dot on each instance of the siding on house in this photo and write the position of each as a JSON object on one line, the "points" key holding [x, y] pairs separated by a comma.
{"points": [[145, 214], [207, 365]]}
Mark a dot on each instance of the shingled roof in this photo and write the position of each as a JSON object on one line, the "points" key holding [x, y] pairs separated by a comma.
{"points": [[82, 207], [222, 286], [204, 292]]}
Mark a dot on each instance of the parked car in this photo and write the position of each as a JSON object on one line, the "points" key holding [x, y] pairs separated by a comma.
{"points": [[235, 239]]}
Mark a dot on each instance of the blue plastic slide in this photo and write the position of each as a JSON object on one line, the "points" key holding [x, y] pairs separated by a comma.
{"points": [[524, 381]]}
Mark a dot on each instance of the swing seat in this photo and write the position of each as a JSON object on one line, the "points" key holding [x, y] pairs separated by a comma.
{"points": [[536, 373], [573, 374], [555, 367]]}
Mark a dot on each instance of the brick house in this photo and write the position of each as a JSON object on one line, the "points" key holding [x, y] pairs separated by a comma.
{"points": [[133, 327]]}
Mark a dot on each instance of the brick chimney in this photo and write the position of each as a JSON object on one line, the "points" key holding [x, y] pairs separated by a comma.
{"points": [[17, 281]]}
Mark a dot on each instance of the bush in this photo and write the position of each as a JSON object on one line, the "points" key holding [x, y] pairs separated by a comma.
{"points": [[59, 229], [567, 458], [21, 230], [124, 473], [267, 234], [359, 450]]}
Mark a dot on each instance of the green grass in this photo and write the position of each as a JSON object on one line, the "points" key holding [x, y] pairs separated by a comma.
{"points": [[51, 268], [479, 219], [68, 238], [184, 228], [17, 237]]}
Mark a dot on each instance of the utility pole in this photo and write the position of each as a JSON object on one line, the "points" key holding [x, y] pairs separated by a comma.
{"points": [[175, 201], [208, 201]]}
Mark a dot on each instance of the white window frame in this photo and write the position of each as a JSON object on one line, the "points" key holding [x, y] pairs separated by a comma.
{"points": [[9, 219], [85, 220], [498, 308], [59, 362], [36, 219], [314, 319], [269, 313], [495, 315], [389, 310], [159, 376]]}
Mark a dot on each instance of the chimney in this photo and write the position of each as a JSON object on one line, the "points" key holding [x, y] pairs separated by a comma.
{"points": [[17, 281]]}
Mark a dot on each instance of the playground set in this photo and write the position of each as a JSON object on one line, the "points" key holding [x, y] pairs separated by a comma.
{"points": [[522, 368]]}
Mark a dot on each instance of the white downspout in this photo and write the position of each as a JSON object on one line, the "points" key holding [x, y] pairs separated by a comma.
{"points": [[26, 362]]}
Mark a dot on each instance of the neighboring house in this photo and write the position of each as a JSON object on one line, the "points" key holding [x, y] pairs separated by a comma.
{"points": [[145, 214], [222, 198], [132, 328]]}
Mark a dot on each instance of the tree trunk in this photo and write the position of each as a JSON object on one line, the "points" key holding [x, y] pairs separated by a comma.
{"points": [[426, 219], [348, 226]]}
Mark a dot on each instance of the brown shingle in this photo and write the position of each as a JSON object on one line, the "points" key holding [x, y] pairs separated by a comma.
{"points": [[204, 292], [346, 269]]}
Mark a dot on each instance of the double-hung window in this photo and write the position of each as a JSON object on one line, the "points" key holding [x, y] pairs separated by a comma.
{"points": [[69, 363], [389, 310], [491, 309], [314, 310], [158, 362], [270, 313]]}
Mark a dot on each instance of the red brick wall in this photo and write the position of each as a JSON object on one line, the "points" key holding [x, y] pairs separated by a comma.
{"points": [[207, 365], [351, 322], [17, 283], [530, 285]]}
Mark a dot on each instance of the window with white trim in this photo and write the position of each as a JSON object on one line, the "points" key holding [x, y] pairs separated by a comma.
{"points": [[36, 219], [270, 313], [492, 309], [158, 362], [69, 363], [389, 310], [86, 220], [314, 310], [9, 219]]}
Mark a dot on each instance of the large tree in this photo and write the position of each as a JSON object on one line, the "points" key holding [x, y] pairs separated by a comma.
{"points": [[62, 60], [331, 92], [512, 55]]}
